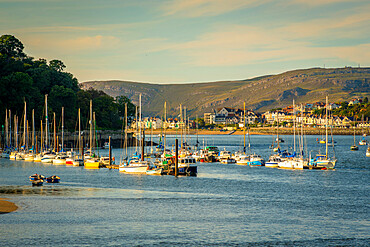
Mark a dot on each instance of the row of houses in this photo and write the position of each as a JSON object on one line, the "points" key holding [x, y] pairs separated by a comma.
{"points": [[227, 115]]}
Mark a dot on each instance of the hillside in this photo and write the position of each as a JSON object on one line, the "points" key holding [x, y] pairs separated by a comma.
{"points": [[260, 94]]}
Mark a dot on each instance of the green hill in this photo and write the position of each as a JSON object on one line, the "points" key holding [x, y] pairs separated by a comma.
{"points": [[260, 94]]}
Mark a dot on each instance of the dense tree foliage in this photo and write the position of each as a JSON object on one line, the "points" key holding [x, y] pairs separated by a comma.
{"points": [[22, 78]]}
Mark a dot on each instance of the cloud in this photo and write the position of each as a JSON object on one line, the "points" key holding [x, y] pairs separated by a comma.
{"points": [[198, 8], [321, 2], [343, 26], [243, 45], [77, 45]]}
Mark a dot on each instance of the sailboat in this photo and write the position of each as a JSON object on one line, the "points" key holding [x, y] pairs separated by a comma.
{"points": [[31, 155], [354, 147], [136, 164], [293, 161], [251, 159], [78, 160], [363, 141], [91, 161], [280, 156], [324, 161], [48, 155], [61, 157]]}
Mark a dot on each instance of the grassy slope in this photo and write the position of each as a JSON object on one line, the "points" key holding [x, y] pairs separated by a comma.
{"points": [[262, 93]]}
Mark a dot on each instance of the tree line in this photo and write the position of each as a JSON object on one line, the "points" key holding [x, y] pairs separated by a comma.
{"points": [[25, 79]]}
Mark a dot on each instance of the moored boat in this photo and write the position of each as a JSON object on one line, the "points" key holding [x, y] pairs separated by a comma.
{"points": [[53, 179], [60, 159]]}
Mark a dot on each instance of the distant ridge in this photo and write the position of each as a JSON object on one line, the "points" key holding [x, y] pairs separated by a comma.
{"points": [[260, 93]]}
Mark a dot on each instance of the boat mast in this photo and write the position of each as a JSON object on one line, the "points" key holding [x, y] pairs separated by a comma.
{"points": [[15, 132], [277, 136], [136, 130], [141, 138], [94, 135], [294, 125], [62, 129], [165, 126], [42, 139], [91, 141], [6, 128], [354, 134], [244, 149], [326, 128], [10, 128], [46, 122], [126, 130], [33, 130], [25, 125], [55, 134], [181, 125], [79, 131]]}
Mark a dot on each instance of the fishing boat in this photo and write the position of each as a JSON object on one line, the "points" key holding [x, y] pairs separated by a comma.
{"points": [[228, 161], [273, 161], [53, 179], [186, 166], [135, 166]]}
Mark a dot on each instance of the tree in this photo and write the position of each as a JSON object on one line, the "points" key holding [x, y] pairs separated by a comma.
{"points": [[57, 65], [11, 47]]}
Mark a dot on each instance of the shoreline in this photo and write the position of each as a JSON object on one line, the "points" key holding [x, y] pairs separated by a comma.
{"points": [[267, 131], [7, 206]]}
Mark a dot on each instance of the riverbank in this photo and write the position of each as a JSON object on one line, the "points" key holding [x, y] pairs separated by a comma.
{"points": [[268, 131], [6, 206]]}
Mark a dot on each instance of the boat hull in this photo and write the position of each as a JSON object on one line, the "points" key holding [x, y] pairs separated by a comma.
{"points": [[92, 164], [133, 169]]}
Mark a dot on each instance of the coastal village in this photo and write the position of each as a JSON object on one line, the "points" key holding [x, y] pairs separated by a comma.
{"points": [[228, 118]]}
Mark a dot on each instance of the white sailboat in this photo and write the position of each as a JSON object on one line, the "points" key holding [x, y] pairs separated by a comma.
{"points": [[354, 147], [324, 161], [78, 160], [47, 156], [136, 164], [92, 162], [250, 159], [293, 161]]}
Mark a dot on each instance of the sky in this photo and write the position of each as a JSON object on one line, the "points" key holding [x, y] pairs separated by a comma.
{"points": [[183, 41]]}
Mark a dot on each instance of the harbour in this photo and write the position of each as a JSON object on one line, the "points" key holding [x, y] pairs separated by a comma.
{"points": [[225, 204]]}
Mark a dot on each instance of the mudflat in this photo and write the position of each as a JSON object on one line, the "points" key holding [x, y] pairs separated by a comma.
{"points": [[6, 206]]}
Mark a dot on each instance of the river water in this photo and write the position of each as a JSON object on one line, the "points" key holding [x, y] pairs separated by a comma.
{"points": [[225, 205]]}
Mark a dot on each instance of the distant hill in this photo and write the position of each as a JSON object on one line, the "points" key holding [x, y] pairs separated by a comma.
{"points": [[260, 94]]}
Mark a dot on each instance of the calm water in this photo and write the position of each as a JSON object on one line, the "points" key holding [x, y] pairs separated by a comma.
{"points": [[224, 205]]}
